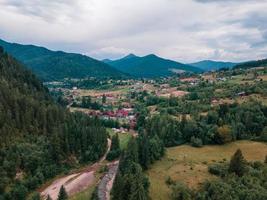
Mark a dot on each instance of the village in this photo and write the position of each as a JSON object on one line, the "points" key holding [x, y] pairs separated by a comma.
{"points": [[118, 102]]}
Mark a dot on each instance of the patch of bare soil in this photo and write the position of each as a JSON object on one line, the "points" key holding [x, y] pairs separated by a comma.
{"points": [[76, 182]]}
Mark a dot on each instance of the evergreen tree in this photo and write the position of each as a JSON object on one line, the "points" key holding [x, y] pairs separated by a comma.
{"points": [[115, 150], [35, 196], [238, 163], [115, 142], [62, 195], [48, 197], [104, 99]]}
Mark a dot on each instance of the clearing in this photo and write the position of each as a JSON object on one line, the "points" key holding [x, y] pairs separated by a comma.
{"points": [[76, 182], [190, 165]]}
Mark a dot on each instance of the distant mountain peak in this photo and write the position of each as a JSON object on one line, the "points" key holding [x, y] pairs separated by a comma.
{"points": [[106, 60], [150, 66], [131, 55], [210, 65], [151, 56]]}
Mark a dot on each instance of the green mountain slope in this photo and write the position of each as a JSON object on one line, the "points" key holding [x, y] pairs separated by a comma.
{"points": [[55, 65], [149, 66], [39, 139], [251, 64], [209, 65]]}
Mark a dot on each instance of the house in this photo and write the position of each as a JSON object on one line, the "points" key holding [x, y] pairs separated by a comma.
{"points": [[241, 94], [190, 80], [122, 113]]}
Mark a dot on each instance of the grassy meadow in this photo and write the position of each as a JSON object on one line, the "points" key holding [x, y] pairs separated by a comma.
{"points": [[190, 165]]}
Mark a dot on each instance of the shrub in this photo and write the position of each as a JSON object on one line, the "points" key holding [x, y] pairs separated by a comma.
{"points": [[218, 169], [196, 142], [112, 155], [223, 135], [181, 192], [169, 181]]}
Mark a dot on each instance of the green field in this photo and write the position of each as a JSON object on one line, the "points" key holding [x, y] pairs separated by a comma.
{"points": [[124, 138], [190, 165]]}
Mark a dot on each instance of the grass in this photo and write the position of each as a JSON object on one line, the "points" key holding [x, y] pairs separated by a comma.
{"points": [[86, 194], [190, 165], [124, 138], [240, 79]]}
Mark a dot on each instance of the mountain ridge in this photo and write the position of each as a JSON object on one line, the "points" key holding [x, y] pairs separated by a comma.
{"points": [[252, 64], [149, 66], [55, 65], [209, 65]]}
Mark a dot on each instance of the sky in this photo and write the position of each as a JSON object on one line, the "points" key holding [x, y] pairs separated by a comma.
{"points": [[182, 30]]}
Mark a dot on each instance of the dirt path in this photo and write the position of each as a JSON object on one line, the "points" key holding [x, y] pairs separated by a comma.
{"points": [[76, 182], [106, 183]]}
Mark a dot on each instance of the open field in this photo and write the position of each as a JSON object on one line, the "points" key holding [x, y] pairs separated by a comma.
{"points": [[77, 109], [263, 77], [190, 165], [94, 93], [124, 138]]}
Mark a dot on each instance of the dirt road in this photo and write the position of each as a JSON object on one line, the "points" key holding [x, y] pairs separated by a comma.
{"points": [[76, 182], [106, 183]]}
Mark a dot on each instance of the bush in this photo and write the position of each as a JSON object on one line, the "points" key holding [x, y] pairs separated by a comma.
{"points": [[169, 181], [263, 137], [112, 155], [196, 142], [218, 169], [181, 192]]}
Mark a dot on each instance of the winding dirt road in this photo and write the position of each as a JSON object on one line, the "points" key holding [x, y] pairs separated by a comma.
{"points": [[76, 182]]}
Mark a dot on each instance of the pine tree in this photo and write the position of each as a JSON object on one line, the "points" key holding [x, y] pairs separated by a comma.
{"points": [[48, 197], [238, 163], [62, 194], [115, 143]]}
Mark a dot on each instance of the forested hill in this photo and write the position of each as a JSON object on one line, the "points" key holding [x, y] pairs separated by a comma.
{"points": [[208, 65], [39, 139], [54, 65], [150, 66], [251, 64]]}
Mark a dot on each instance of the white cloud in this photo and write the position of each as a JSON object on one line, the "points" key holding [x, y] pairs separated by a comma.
{"points": [[183, 30]]}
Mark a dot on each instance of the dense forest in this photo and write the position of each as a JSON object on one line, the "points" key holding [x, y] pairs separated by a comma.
{"points": [[39, 139], [220, 125], [130, 182]]}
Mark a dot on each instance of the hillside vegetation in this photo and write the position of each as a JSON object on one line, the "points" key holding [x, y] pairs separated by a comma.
{"points": [[209, 65], [39, 139], [252, 64], [189, 165], [55, 65], [150, 66]]}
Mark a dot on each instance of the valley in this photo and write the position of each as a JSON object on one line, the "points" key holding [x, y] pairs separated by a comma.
{"points": [[133, 100], [180, 134]]}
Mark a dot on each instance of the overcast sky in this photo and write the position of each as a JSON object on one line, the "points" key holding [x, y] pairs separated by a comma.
{"points": [[183, 30]]}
